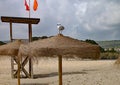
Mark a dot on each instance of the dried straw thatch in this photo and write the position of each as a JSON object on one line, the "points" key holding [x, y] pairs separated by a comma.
{"points": [[10, 49], [60, 45], [117, 62]]}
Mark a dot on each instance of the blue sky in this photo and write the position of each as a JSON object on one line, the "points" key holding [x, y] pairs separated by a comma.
{"points": [[82, 19]]}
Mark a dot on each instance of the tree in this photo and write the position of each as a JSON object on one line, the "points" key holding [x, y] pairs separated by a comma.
{"points": [[2, 43], [35, 38], [43, 37], [112, 50], [91, 41]]}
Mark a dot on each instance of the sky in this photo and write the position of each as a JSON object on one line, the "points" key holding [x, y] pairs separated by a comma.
{"points": [[83, 19]]}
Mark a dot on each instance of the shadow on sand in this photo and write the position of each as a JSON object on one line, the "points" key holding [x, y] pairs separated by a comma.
{"points": [[56, 74]]}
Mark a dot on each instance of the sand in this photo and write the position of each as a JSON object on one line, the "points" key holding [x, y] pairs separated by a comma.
{"points": [[75, 72]]}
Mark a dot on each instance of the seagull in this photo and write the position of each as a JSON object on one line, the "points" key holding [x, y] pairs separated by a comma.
{"points": [[60, 28]]}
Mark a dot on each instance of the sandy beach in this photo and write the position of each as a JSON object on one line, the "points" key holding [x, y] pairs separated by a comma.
{"points": [[75, 72]]}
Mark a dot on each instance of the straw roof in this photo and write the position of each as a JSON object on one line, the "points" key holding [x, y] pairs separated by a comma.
{"points": [[117, 62], [60, 45], [10, 49]]}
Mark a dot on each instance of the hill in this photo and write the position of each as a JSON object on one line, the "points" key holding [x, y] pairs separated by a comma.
{"points": [[109, 44]]}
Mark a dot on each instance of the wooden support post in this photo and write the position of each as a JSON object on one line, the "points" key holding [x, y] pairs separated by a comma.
{"points": [[12, 67], [60, 69], [28, 21], [30, 60], [12, 58], [30, 68], [19, 67], [22, 66], [11, 37], [30, 32]]}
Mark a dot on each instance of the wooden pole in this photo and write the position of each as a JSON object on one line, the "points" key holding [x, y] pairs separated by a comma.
{"points": [[18, 76], [60, 69], [30, 32], [30, 60], [12, 59], [30, 39], [29, 9], [11, 32]]}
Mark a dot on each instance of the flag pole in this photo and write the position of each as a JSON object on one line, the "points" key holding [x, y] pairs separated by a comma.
{"points": [[29, 9]]}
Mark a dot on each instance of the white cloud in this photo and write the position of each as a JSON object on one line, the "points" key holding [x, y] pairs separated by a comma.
{"points": [[80, 10], [111, 16], [81, 18]]}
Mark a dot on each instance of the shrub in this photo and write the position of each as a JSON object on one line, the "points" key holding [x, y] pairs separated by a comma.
{"points": [[109, 55]]}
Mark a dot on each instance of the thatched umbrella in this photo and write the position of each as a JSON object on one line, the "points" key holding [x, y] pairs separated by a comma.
{"points": [[10, 49], [59, 45]]}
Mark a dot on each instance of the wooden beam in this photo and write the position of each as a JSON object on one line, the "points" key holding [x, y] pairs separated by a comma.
{"points": [[22, 67], [25, 72], [22, 20], [25, 61], [60, 69]]}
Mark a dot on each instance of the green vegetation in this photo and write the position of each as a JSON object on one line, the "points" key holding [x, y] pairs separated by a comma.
{"points": [[91, 41], [2, 43], [43, 37], [109, 55]]}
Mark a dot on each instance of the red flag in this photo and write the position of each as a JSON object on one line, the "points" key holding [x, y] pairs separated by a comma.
{"points": [[35, 5], [27, 7]]}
